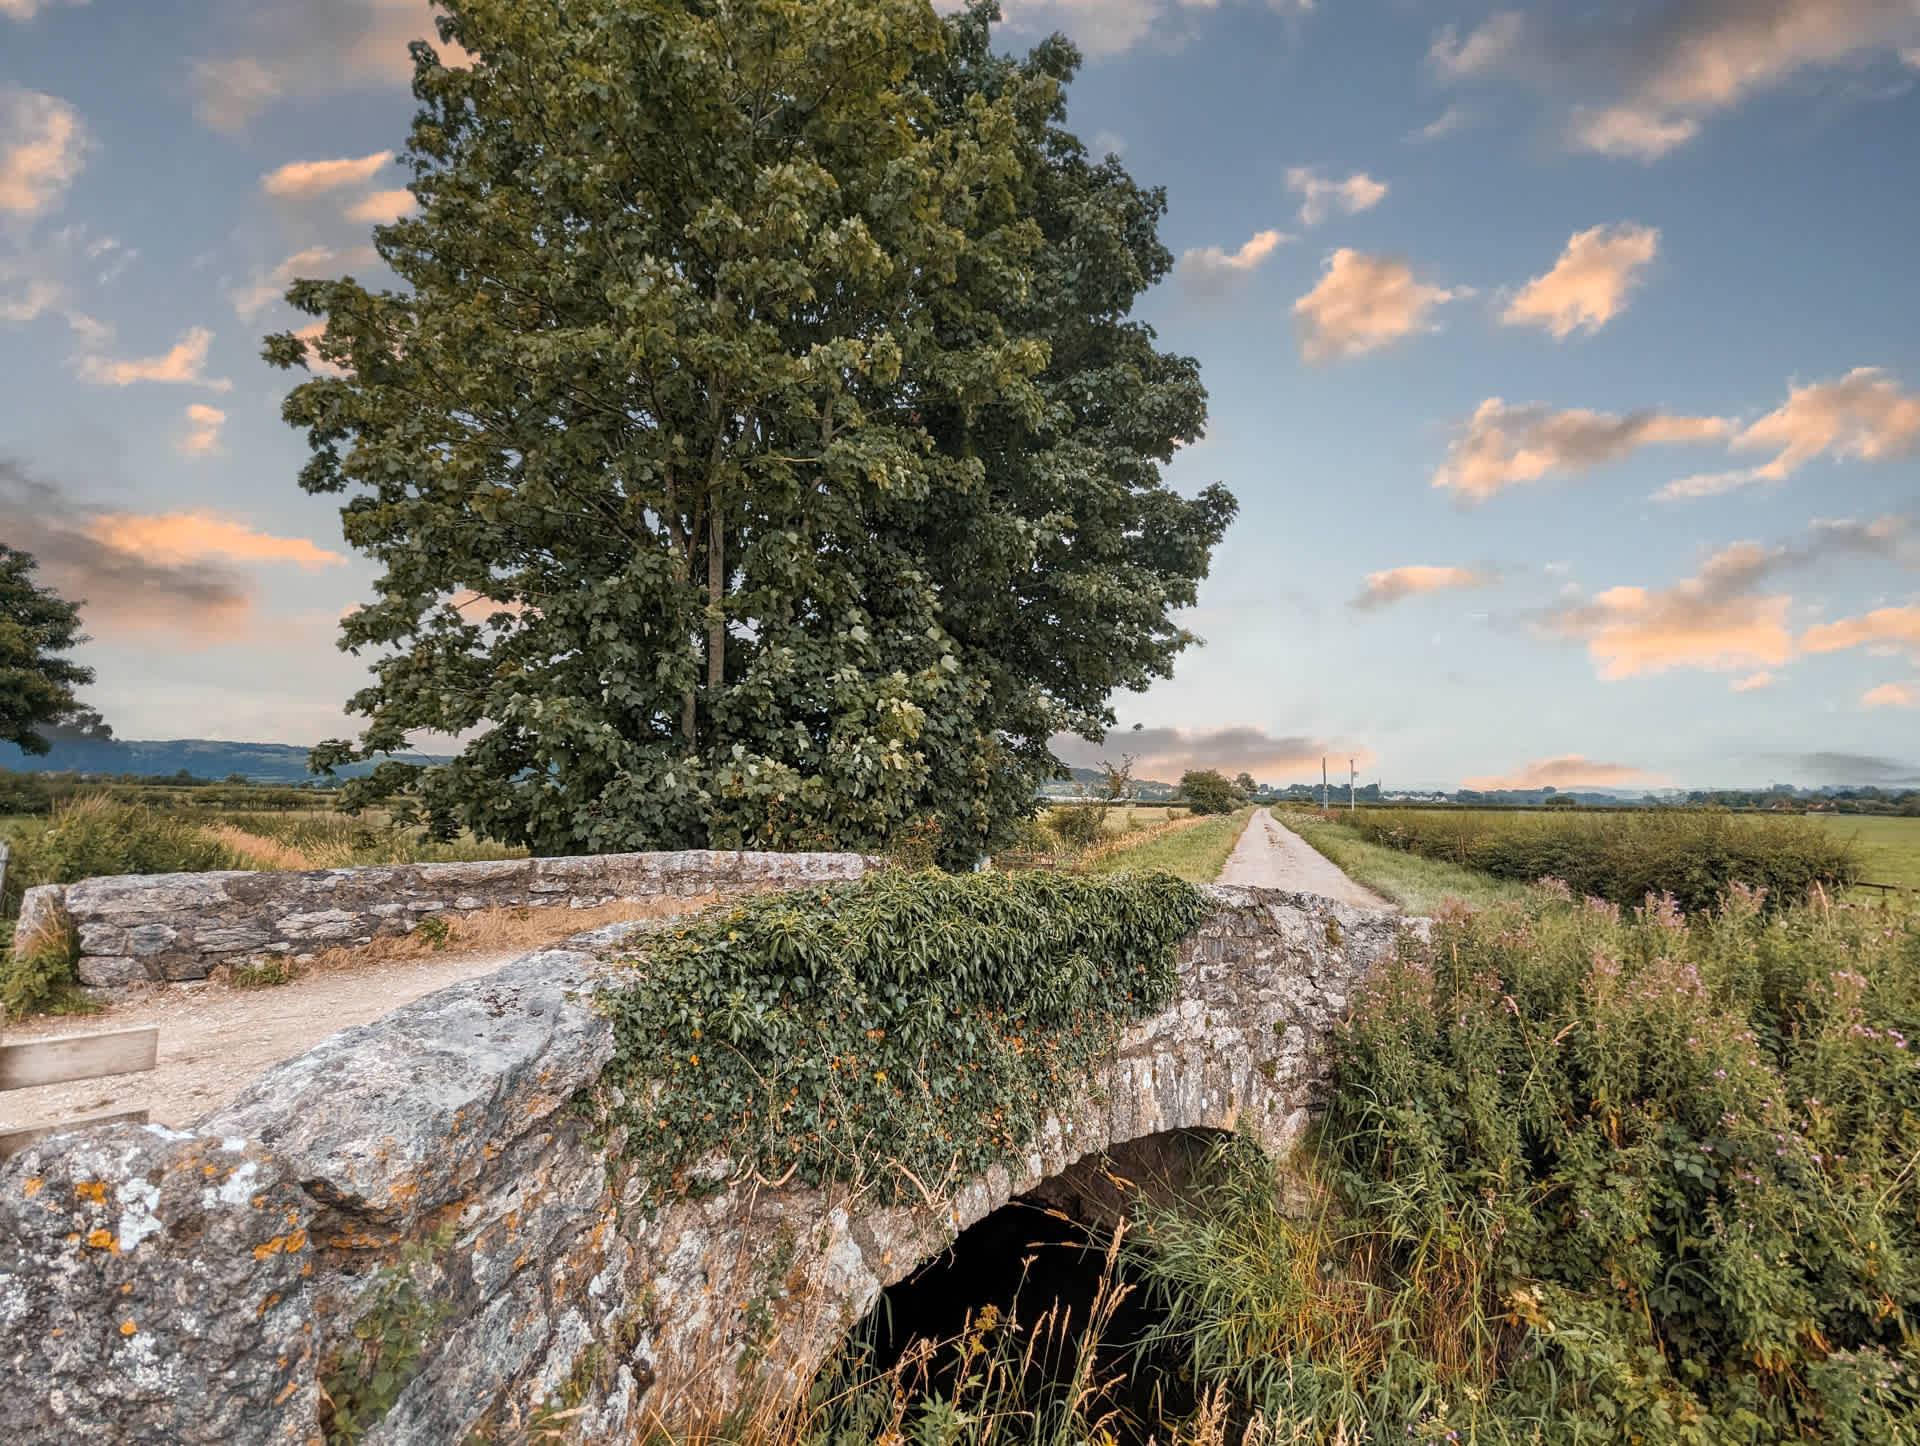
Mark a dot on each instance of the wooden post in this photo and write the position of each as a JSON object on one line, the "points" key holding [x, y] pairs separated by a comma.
{"points": [[1323, 784], [3, 871], [1350, 776]]}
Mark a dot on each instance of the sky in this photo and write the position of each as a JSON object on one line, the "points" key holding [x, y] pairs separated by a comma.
{"points": [[1565, 361]]}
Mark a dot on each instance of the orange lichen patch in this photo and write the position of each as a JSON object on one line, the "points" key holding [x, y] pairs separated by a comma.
{"points": [[127, 1327], [286, 1391], [296, 1240], [307, 1269], [33, 1187], [94, 1190], [279, 1243], [102, 1240], [127, 1288], [268, 1304]]}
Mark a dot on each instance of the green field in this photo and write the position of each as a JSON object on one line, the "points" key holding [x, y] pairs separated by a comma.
{"points": [[1417, 885], [1196, 854], [1889, 847]]}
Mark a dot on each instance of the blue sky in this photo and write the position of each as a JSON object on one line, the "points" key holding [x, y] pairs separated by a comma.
{"points": [[1565, 361]]}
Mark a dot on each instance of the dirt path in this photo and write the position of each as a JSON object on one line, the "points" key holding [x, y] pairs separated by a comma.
{"points": [[214, 1038], [1272, 856]]}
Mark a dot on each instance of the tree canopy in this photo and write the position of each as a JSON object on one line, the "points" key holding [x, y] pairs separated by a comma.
{"points": [[759, 452], [36, 626]]}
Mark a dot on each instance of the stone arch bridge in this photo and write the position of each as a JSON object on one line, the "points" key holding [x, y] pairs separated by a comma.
{"points": [[199, 1285]]}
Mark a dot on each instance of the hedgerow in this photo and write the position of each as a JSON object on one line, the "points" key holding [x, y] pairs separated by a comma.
{"points": [[909, 1026], [1692, 854]]}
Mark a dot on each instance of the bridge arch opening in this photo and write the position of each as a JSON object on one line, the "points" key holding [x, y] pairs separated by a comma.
{"points": [[1040, 1281]]}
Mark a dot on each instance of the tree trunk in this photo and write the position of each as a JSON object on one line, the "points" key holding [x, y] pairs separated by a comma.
{"points": [[716, 595]]}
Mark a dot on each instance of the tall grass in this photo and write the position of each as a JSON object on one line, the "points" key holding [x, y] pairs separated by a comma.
{"points": [[1194, 849], [1692, 854], [1419, 885]]}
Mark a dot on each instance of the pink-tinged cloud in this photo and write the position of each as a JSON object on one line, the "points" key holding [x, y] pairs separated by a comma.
{"points": [[1753, 683], [1503, 446], [1209, 271], [1589, 285], [316, 363], [1634, 132], [1899, 628], [42, 147], [1892, 695], [271, 285], [202, 437], [382, 208], [1570, 770], [300, 179], [175, 538], [1396, 583], [184, 364], [1363, 303], [1321, 197]]}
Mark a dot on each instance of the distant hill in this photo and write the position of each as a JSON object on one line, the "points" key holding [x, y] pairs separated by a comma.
{"points": [[201, 757], [1148, 789]]}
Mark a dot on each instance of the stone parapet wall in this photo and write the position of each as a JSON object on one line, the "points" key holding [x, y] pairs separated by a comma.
{"points": [[198, 1286], [160, 928]]}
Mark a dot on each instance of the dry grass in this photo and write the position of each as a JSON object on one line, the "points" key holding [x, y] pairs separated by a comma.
{"points": [[504, 930], [252, 851]]}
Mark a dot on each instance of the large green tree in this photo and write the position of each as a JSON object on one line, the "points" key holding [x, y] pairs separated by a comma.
{"points": [[759, 451], [36, 626]]}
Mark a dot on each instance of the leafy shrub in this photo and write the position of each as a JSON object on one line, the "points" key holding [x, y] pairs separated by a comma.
{"points": [[1692, 854], [1673, 1162], [36, 975], [909, 1022], [1207, 790], [1077, 825]]}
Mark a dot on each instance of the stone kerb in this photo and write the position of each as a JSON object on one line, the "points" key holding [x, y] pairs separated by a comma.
{"points": [[192, 1286], [160, 928]]}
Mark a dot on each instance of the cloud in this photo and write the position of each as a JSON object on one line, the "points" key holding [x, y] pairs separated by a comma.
{"points": [[1570, 770], [1108, 27], [1864, 415], [271, 285], [1363, 303], [318, 365], [310, 178], [1588, 285], [1752, 683], [185, 363], [381, 208], [1898, 628], [43, 144], [24, 10], [1491, 46], [202, 438], [1851, 768], [1211, 270], [1504, 446], [1321, 197], [1396, 583], [1719, 620], [1630, 131], [136, 573], [1165, 753], [1453, 118], [312, 48], [1892, 695]]}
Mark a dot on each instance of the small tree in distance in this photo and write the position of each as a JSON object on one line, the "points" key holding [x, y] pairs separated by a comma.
{"points": [[1206, 790], [36, 625]]}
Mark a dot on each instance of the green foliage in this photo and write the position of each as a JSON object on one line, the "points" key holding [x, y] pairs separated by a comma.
{"points": [[1206, 790], [388, 1341], [96, 837], [906, 1026], [1187, 850], [36, 626], [1694, 855], [273, 970], [1679, 1160], [1419, 885], [1077, 824], [435, 930], [36, 976], [758, 450]]}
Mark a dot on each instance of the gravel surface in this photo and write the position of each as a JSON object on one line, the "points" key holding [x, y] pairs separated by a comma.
{"points": [[214, 1038], [1272, 856]]}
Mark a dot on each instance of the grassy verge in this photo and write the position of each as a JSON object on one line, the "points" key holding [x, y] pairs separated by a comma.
{"points": [[1889, 854], [1191, 849], [1418, 885]]}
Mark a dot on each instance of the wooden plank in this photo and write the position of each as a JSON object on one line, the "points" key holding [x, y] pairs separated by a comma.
{"points": [[12, 1142], [78, 1056]]}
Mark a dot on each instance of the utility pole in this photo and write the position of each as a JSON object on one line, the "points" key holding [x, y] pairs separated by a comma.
{"points": [[1350, 776], [1323, 783]]}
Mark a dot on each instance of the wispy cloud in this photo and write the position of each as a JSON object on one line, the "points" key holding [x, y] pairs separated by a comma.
{"points": [[1108, 27], [1321, 197], [1211, 270], [1892, 695], [1166, 753], [1396, 583], [1588, 286], [1453, 119], [1490, 46], [1363, 303], [43, 144], [1503, 446], [202, 437], [1569, 770], [185, 363], [381, 208], [269, 286], [1895, 627], [1752, 683], [1864, 415], [309, 178], [177, 573], [24, 10]]}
